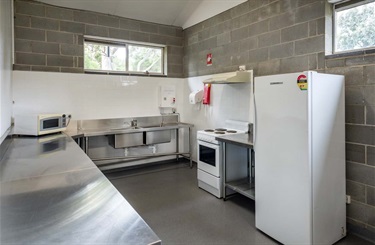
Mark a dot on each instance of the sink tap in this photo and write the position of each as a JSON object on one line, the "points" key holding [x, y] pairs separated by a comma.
{"points": [[133, 123], [162, 120]]}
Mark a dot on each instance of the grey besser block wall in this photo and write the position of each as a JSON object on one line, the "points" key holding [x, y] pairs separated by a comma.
{"points": [[273, 37], [50, 38]]}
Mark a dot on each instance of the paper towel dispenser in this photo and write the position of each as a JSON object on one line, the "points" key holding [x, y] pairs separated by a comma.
{"points": [[196, 97]]}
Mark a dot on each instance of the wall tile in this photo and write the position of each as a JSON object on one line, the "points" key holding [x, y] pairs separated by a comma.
{"points": [[71, 49], [29, 34], [355, 153], [360, 173], [356, 190], [22, 20], [109, 21], [313, 61], [281, 21], [360, 60], [258, 55], [223, 39], [369, 74], [44, 23], [354, 95], [268, 67], [240, 34], [371, 155], [310, 12], [59, 37], [294, 32], [59, 60], [282, 50], [139, 36], [353, 75], [23, 46], [119, 34], [309, 45], [85, 17], [74, 27], [96, 31], [30, 59], [258, 28], [335, 63], [130, 24], [294, 64], [22, 67], [59, 13], [45, 68], [370, 193], [269, 39], [369, 95], [370, 115], [30, 8], [248, 44], [149, 28], [45, 48], [355, 114]]}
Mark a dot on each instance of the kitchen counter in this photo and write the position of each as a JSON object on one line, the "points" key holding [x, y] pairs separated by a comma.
{"points": [[125, 130], [245, 140], [52, 193]]}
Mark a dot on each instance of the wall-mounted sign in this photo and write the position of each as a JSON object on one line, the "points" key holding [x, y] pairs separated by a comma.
{"points": [[209, 59]]}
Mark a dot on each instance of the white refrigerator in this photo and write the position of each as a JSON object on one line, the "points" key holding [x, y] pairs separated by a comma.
{"points": [[300, 157]]}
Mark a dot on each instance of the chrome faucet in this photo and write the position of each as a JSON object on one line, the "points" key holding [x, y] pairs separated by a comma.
{"points": [[133, 123], [162, 120]]}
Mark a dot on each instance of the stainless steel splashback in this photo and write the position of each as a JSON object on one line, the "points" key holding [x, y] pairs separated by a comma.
{"points": [[126, 122]]}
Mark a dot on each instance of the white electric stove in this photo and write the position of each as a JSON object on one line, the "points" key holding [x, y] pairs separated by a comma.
{"points": [[209, 155]]}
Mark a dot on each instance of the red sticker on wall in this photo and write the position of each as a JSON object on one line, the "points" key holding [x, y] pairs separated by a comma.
{"points": [[209, 60]]}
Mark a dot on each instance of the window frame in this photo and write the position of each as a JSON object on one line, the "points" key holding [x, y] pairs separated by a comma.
{"points": [[340, 6], [125, 43]]}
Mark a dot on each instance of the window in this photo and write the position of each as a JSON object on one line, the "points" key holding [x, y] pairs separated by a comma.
{"points": [[354, 26], [123, 57]]}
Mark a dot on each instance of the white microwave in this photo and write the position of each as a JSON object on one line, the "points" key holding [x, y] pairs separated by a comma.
{"points": [[40, 124]]}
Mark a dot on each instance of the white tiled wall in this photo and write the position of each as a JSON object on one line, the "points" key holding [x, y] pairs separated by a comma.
{"points": [[5, 66], [89, 96]]}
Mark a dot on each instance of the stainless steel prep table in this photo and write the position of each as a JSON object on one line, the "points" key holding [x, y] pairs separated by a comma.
{"points": [[244, 186], [52, 193], [86, 134]]}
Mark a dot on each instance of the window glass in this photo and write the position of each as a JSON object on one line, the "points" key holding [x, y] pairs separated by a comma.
{"points": [[104, 57], [145, 59], [355, 27]]}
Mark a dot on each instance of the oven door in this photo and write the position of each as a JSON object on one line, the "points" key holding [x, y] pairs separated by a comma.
{"points": [[209, 158]]}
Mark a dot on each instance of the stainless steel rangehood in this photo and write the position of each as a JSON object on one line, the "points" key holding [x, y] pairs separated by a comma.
{"points": [[230, 78]]}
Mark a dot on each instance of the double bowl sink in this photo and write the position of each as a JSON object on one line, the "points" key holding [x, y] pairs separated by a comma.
{"points": [[139, 136]]}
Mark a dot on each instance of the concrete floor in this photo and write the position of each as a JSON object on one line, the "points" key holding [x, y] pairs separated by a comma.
{"points": [[169, 200]]}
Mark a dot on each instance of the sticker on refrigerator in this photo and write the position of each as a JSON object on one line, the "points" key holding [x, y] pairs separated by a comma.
{"points": [[302, 82]]}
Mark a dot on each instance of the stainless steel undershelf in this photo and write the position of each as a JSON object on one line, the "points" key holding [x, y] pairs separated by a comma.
{"points": [[243, 186], [52, 193]]}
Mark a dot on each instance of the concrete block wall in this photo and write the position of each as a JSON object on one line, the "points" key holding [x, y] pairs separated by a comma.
{"points": [[359, 71], [269, 37], [285, 36], [50, 38]]}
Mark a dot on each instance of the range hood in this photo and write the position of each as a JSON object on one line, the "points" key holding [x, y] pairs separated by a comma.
{"points": [[237, 77]]}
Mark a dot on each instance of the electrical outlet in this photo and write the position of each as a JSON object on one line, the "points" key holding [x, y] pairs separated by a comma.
{"points": [[348, 199]]}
